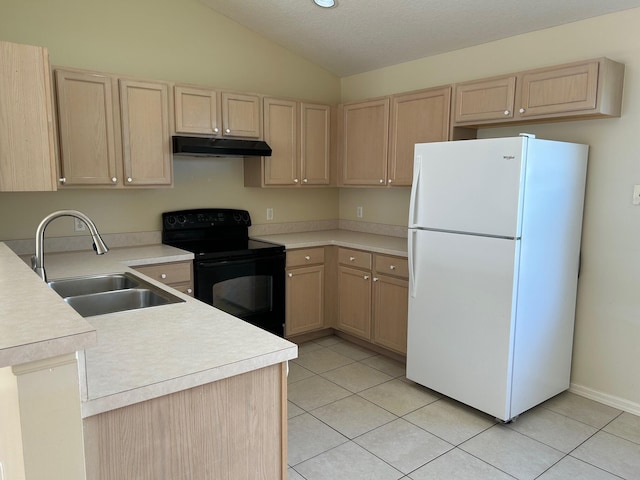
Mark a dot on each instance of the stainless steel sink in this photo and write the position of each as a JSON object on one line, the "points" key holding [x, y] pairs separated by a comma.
{"points": [[116, 292], [71, 287], [119, 300]]}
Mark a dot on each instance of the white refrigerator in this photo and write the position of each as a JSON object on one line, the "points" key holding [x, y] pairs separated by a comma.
{"points": [[494, 250]]}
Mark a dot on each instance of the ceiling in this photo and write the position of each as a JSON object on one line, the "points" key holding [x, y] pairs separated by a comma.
{"points": [[361, 35]]}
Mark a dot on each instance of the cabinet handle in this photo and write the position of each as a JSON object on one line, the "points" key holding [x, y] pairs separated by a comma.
{"points": [[129, 179], [62, 180], [381, 181], [189, 290], [163, 275], [351, 259], [227, 130], [522, 110], [307, 257], [216, 129], [290, 275], [507, 112], [114, 179], [392, 267], [390, 181], [366, 277], [295, 180], [375, 279]]}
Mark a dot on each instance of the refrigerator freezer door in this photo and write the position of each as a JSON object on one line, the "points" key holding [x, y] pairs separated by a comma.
{"points": [[469, 186], [461, 317]]}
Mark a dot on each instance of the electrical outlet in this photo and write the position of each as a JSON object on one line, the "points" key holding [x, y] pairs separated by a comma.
{"points": [[269, 213], [636, 194], [79, 225], [359, 212]]}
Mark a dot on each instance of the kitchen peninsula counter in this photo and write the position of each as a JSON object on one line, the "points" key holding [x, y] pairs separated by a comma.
{"points": [[139, 354], [343, 238]]}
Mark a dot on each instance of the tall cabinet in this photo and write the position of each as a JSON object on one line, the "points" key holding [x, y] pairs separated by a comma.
{"points": [[27, 141]]}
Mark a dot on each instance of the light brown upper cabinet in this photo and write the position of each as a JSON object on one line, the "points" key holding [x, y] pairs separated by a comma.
{"points": [[146, 133], [378, 136], [206, 111], [197, 110], [418, 117], [299, 135], [589, 89], [27, 138], [365, 142], [114, 132], [485, 100]]}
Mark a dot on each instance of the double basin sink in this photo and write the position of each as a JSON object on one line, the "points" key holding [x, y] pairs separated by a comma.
{"points": [[109, 293]]}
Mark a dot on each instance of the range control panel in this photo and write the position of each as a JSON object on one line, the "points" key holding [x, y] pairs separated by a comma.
{"points": [[205, 218]]}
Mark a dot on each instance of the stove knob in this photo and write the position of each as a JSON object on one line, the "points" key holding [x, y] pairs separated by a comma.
{"points": [[237, 217], [181, 219], [171, 220], [245, 218]]}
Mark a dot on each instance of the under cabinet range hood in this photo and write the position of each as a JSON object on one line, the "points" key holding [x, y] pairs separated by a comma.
{"points": [[219, 147]]}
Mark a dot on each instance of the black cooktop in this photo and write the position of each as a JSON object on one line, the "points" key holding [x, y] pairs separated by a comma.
{"points": [[213, 233]]}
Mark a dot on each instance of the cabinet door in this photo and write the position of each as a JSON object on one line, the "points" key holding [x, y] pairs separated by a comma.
{"points": [[27, 147], [558, 90], [281, 133], [305, 299], [390, 312], [87, 128], [241, 115], [315, 140], [484, 101], [354, 309], [146, 134], [365, 142], [419, 117], [197, 110]]}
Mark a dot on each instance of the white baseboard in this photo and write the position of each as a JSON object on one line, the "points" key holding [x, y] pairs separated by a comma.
{"points": [[605, 398]]}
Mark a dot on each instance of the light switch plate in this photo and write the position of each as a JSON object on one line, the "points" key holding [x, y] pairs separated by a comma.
{"points": [[636, 194]]}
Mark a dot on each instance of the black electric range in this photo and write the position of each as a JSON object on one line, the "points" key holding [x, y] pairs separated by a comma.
{"points": [[232, 272]]}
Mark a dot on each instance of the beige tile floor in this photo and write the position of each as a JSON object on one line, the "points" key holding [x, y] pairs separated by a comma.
{"points": [[354, 416]]}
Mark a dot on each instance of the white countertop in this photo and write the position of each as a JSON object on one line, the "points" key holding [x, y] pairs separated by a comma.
{"points": [[34, 323], [343, 238], [140, 354]]}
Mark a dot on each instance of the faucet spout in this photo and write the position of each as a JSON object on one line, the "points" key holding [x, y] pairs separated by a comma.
{"points": [[37, 261]]}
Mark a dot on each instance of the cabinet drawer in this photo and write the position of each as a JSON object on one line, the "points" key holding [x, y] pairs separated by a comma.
{"points": [[186, 288], [354, 258], [305, 256], [168, 273], [388, 265]]}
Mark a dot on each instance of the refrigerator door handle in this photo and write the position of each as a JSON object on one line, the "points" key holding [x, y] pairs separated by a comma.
{"points": [[410, 246], [414, 190]]}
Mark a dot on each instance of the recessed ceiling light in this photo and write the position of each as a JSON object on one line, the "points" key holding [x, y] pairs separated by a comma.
{"points": [[325, 3]]}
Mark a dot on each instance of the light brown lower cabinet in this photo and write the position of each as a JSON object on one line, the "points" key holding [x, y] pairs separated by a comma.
{"points": [[232, 429], [178, 275], [305, 291], [373, 298], [390, 312]]}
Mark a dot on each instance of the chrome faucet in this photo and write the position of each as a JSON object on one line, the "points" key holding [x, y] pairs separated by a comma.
{"points": [[37, 261]]}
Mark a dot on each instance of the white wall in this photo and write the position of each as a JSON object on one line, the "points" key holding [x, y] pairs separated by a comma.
{"points": [[607, 336]]}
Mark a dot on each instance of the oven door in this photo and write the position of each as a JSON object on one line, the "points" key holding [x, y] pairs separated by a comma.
{"points": [[250, 288]]}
